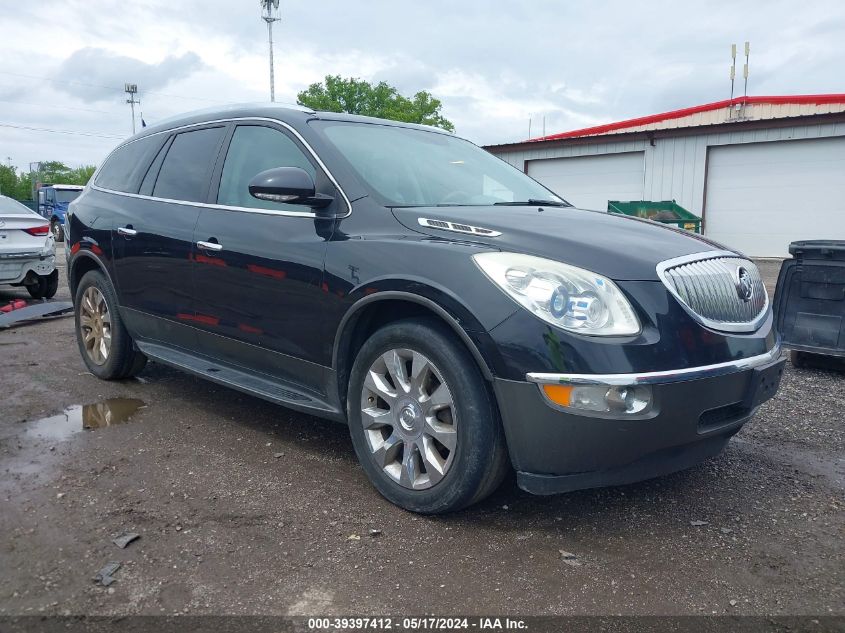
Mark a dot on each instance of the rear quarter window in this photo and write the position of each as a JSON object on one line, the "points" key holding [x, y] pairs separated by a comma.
{"points": [[126, 166]]}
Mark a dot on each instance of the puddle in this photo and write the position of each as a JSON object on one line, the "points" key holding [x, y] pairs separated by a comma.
{"points": [[82, 417]]}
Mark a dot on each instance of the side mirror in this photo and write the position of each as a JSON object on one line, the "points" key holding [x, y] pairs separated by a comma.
{"points": [[290, 185]]}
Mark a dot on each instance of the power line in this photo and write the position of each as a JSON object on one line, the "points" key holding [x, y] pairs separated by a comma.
{"points": [[119, 89], [51, 130], [115, 88], [53, 105], [60, 81]]}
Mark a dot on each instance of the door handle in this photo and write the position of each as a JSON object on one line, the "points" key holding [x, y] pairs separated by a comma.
{"points": [[127, 231], [210, 246]]}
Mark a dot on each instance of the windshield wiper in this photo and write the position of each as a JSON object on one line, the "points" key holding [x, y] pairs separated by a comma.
{"points": [[531, 202]]}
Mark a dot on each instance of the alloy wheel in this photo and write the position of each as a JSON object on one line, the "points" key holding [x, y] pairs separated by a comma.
{"points": [[409, 418], [95, 325]]}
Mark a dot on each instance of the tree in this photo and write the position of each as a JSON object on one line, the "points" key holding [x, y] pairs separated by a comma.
{"points": [[81, 175], [382, 100], [8, 181], [14, 184], [18, 185], [55, 171]]}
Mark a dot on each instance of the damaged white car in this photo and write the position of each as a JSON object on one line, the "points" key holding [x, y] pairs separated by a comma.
{"points": [[27, 250]]}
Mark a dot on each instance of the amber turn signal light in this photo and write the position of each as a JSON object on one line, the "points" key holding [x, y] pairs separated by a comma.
{"points": [[559, 394]]}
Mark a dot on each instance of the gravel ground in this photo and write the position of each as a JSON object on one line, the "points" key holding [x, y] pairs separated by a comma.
{"points": [[244, 507]]}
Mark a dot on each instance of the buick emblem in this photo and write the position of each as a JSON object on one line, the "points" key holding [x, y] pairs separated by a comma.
{"points": [[2, 223], [744, 287]]}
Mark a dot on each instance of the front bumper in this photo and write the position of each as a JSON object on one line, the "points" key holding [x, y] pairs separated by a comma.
{"points": [[695, 412]]}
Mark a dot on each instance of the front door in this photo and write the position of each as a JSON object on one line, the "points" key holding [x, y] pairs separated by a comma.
{"points": [[46, 200], [258, 270], [153, 238]]}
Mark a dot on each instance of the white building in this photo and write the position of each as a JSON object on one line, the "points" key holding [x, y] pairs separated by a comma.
{"points": [[760, 171]]}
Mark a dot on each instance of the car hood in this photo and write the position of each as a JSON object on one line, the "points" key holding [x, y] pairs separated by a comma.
{"points": [[616, 246]]}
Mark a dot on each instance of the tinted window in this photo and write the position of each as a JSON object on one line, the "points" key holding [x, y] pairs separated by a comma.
{"points": [[184, 173], [123, 170], [254, 149]]}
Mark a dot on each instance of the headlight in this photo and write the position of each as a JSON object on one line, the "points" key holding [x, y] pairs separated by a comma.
{"points": [[565, 296]]}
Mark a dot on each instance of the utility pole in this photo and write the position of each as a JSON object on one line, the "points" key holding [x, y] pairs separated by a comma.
{"points": [[270, 14], [132, 90]]}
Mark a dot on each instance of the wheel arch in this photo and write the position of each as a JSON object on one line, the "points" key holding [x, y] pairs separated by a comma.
{"points": [[85, 261], [376, 310]]}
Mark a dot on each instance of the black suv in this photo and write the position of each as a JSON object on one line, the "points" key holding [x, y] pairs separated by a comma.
{"points": [[461, 318]]}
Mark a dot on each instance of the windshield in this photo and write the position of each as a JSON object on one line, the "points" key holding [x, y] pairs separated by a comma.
{"points": [[67, 195], [406, 167]]}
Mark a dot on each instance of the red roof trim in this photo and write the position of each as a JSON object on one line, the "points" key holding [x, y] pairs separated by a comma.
{"points": [[677, 114]]}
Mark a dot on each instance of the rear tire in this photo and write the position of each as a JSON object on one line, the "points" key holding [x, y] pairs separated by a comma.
{"points": [[428, 435], [46, 287], [105, 345]]}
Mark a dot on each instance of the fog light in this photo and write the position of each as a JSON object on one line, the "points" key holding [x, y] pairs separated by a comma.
{"points": [[629, 399], [615, 400]]}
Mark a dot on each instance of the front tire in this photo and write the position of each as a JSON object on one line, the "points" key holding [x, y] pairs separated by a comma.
{"points": [[424, 423], [105, 345]]}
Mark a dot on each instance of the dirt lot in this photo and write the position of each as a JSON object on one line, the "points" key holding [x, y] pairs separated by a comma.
{"points": [[245, 507]]}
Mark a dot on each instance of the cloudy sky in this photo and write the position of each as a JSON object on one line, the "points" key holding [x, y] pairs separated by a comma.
{"points": [[494, 64]]}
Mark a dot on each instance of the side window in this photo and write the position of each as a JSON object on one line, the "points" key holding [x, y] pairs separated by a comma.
{"points": [[254, 149], [184, 172], [127, 164]]}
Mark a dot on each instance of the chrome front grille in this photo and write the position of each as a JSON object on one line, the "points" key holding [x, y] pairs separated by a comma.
{"points": [[720, 290]]}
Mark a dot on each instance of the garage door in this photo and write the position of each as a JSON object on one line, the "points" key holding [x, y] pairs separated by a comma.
{"points": [[589, 182], [762, 196]]}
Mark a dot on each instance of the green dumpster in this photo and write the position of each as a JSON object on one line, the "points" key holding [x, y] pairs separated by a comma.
{"points": [[665, 211]]}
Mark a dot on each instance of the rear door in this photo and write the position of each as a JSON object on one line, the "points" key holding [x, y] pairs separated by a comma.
{"points": [[258, 287], [153, 240]]}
